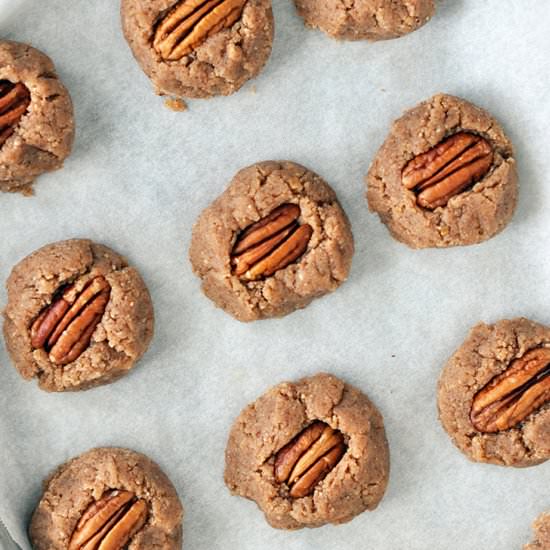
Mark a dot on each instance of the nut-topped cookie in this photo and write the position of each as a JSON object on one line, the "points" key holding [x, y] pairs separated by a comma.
{"points": [[366, 19], [36, 117], [77, 316], [108, 499], [199, 48], [272, 242], [309, 453], [494, 394], [445, 176], [541, 528]]}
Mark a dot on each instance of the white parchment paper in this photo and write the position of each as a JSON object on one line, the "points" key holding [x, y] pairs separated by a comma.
{"points": [[140, 175]]}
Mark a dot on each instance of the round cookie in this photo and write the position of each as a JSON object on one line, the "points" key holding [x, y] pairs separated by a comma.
{"points": [[272, 242], [542, 533], [199, 49], [493, 394], [36, 117], [77, 316], [309, 453], [366, 19], [119, 495], [445, 176]]}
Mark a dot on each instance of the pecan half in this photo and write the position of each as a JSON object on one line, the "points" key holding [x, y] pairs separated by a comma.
{"points": [[447, 169], [512, 396], [270, 244], [65, 327], [190, 22], [14, 102], [109, 523], [308, 458]]}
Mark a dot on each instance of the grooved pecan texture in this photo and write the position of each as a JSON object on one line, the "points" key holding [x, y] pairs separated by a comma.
{"points": [[512, 396], [109, 523], [448, 169], [270, 244], [14, 102], [66, 326], [308, 458], [191, 22]]}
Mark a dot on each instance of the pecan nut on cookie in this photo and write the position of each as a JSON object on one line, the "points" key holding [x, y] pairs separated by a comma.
{"points": [[36, 117], [199, 48], [110, 499], [445, 176], [272, 242], [77, 316], [309, 453], [494, 394], [366, 19]]}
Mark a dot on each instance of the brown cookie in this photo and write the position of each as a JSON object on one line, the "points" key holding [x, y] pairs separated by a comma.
{"points": [[494, 394], [77, 316], [272, 242], [199, 48], [120, 497], [445, 176], [36, 117], [309, 453], [366, 19], [542, 533]]}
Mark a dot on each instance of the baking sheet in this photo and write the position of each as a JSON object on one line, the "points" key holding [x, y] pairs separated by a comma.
{"points": [[140, 175]]}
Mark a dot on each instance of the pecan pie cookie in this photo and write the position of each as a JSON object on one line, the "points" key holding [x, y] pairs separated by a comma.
{"points": [[366, 19], [111, 499], [445, 176], [36, 117], [272, 242], [542, 533], [494, 394], [309, 453], [77, 316], [199, 48]]}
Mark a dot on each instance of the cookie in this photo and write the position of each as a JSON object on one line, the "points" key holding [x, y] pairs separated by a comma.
{"points": [[77, 316], [366, 19], [309, 453], [272, 242], [542, 534], [199, 48], [494, 394], [36, 117], [445, 176], [109, 496]]}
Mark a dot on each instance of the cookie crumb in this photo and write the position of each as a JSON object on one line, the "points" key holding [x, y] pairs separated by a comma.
{"points": [[176, 104]]}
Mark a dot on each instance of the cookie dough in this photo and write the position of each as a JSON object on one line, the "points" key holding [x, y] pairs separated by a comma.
{"points": [[309, 453], [119, 496], [36, 117], [77, 316], [445, 176], [491, 394], [272, 242], [198, 48], [542, 534], [366, 19]]}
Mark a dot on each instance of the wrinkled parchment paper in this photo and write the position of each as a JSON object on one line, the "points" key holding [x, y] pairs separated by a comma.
{"points": [[140, 175]]}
